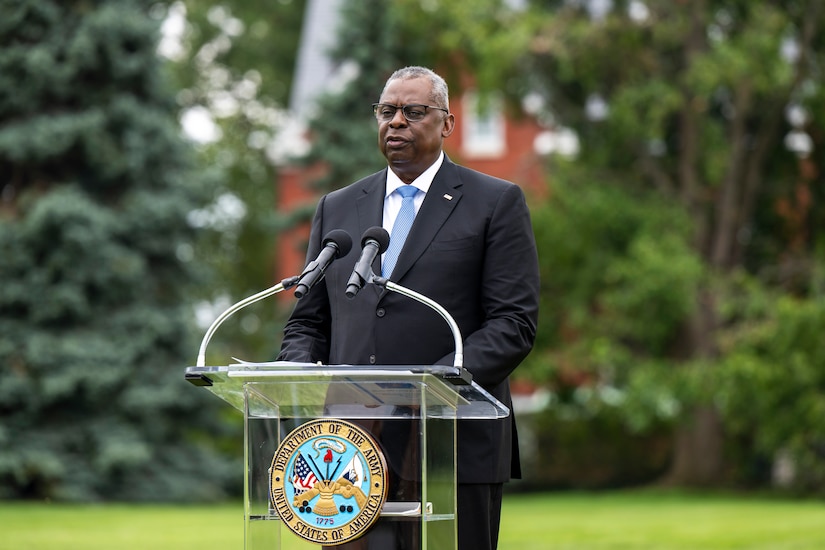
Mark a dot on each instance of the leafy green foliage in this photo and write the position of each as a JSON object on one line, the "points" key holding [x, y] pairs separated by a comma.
{"points": [[771, 384], [617, 276], [235, 63], [700, 168]]}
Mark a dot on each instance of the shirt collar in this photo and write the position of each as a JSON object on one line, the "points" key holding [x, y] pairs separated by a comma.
{"points": [[422, 182]]}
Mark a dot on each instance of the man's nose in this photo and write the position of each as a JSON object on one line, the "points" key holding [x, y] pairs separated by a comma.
{"points": [[398, 119]]}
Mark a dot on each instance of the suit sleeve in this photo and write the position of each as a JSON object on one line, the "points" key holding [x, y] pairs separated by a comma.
{"points": [[307, 333], [509, 294]]}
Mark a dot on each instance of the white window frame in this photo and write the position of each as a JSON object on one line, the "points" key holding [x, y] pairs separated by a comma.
{"points": [[484, 131]]}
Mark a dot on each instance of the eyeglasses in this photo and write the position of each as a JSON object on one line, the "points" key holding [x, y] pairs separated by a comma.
{"points": [[412, 112]]}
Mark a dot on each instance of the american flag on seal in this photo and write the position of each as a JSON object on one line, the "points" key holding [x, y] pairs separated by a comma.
{"points": [[303, 478]]}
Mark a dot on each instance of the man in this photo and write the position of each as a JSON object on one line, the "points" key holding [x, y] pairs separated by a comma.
{"points": [[470, 248]]}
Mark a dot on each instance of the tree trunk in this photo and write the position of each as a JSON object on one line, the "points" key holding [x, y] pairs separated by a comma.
{"points": [[698, 458], [698, 450]]}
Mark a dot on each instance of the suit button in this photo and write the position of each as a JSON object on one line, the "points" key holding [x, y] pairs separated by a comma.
{"points": [[372, 359], [380, 312]]}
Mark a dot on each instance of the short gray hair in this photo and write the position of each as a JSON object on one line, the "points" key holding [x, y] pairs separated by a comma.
{"points": [[440, 96]]}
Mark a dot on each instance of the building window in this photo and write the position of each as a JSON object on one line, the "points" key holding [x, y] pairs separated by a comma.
{"points": [[483, 126]]}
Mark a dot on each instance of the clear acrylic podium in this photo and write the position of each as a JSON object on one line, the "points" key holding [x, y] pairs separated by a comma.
{"points": [[411, 411]]}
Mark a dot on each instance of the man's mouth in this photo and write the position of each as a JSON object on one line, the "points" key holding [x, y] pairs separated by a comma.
{"points": [[396, 142]]}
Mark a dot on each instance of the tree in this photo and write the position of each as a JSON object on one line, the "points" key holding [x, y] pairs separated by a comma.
{"points": [[344, 140], [713, 107], [95, 301], [232, 64]]}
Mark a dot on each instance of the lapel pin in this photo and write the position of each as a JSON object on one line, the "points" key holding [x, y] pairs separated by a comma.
{"points": [[448, 197]]}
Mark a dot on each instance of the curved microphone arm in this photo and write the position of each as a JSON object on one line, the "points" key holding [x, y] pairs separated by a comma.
{"points": [[283, 285], [459, 344]]}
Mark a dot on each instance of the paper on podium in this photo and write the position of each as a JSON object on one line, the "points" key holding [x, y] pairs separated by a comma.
{"points": [[305, 389]]}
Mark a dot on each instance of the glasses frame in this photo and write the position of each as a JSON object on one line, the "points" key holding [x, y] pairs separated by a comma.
{"points": [[403, 108]]}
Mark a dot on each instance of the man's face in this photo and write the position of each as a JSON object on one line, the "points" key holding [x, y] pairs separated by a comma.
{"points": [[411, 147]]}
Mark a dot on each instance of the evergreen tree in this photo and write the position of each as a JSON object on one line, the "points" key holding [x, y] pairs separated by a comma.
{"points": [[95, 319]]}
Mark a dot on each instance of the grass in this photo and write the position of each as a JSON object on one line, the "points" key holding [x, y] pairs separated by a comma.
{"points": [[618, 520], [660, 520]]}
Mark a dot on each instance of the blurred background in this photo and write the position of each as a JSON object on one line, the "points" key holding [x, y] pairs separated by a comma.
{"points": [[159, 161]]}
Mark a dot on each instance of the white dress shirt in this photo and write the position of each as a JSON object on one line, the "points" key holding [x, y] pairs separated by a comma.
{"points": [[392, 200]]}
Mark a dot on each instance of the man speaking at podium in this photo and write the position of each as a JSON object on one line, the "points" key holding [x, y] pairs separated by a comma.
{"points": [[469, 246]]}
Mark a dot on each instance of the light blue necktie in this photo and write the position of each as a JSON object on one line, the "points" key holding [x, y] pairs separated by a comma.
{"points": [[401, 228]]}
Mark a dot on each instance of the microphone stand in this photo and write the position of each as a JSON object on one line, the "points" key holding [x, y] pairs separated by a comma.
{"points": [[283, 285], [438, 308]]}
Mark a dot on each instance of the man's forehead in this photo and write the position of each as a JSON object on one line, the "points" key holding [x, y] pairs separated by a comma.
{"points": [[407, 89]]}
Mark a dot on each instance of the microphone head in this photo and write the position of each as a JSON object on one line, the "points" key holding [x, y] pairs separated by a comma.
{"points": [[341, 239], [377, 234]]}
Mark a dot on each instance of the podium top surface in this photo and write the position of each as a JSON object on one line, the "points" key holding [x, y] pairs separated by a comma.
{"points": [[287, 389]]}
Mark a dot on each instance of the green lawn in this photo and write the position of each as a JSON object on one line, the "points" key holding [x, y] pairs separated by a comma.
{"points": [[660, 520], [619, 520]]}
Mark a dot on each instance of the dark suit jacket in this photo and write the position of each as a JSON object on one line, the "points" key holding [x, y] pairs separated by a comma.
{"points": [[472, 250]]}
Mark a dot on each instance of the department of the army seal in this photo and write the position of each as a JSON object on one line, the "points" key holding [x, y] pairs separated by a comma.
{"points": [[328, 481]]}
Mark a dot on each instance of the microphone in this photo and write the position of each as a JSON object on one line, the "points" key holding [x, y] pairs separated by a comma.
{"points": [[374, 241], [337, 243]]}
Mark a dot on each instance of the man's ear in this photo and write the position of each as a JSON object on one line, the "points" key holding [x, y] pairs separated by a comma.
{"points": [[449, 125]]}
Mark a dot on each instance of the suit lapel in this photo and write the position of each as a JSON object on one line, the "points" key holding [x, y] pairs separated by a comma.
{"points": [[370, 205], [442, 198], [370, 210]]}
